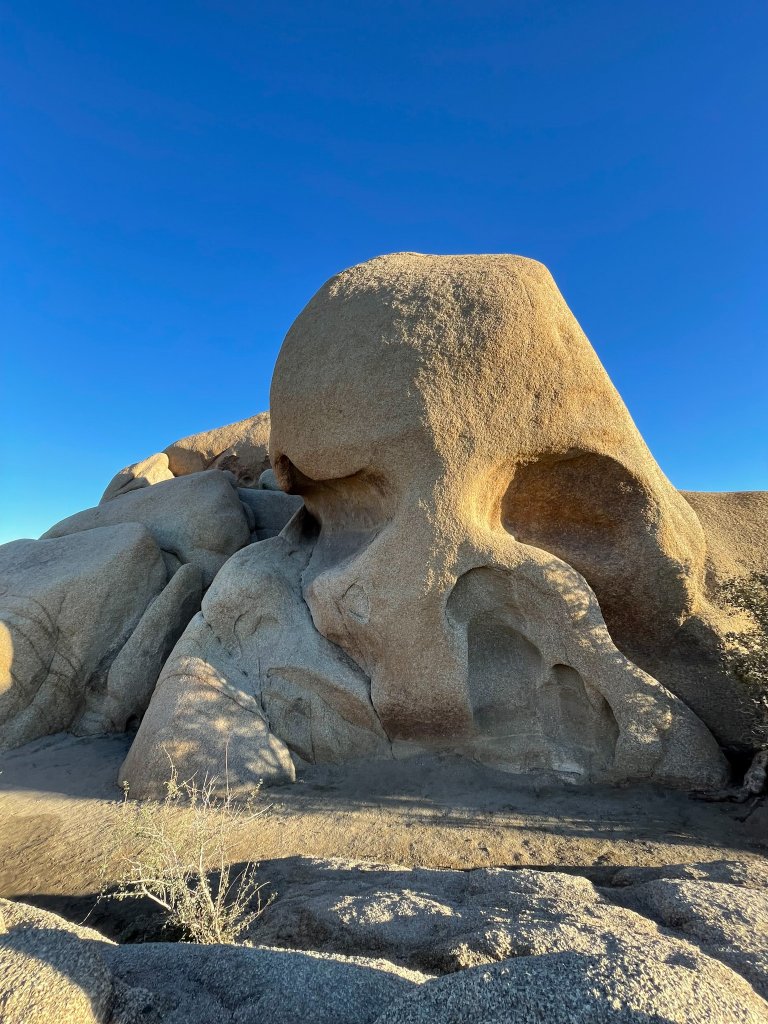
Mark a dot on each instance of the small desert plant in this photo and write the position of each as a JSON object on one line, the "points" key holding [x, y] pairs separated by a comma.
{"points": [[174, 852]]}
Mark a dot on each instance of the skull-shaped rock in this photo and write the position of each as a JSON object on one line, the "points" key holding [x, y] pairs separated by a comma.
{"points": [[465, 464]]}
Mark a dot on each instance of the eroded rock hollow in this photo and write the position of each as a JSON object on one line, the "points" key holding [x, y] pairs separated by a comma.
{"points": [[466, 467], [463, 545]]}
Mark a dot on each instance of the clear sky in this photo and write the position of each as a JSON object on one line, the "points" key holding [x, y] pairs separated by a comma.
{"points": [[178, 178]]}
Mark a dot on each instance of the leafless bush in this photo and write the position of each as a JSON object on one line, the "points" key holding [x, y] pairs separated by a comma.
{"points": [[174, 852]]}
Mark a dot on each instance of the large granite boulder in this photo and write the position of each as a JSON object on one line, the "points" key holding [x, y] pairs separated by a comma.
{"points": [[67, 607], [198, 519], [242, 448], [478, 503]]}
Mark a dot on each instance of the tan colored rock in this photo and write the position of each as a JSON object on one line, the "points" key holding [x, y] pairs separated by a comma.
{"points": [[199, 519], [141, 474], [467, 462], [52, 972], [241, 447], [67, 606], [730, 695]]}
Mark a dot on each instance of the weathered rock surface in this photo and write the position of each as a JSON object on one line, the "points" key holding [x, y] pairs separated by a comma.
{"points": [[512, 946], [465, 463], [153, 470], [217, 712], [445, 921], [242, 448], [134, 672], [442, 921], [271, 510], [222, 984], [728, 922], [51, 971], [579, 988], [731, 697], [67, 607], [199, 519], [54, 972]]}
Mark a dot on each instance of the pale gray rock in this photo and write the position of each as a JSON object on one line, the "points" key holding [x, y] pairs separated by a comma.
{"points": [[153, 470], [197, 518], [444, 921], [271, 510], [214, 705], [51, 972], [56, 972], [134, 672], [728, 922], [625, 987], [67, 606], [206, 726], [268, 481], [235, 985]]}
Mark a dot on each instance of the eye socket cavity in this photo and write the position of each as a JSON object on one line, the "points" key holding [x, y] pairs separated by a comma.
{"points": [[592, 513], [359, 503]]}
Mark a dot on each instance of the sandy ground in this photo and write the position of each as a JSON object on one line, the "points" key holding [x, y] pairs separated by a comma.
{"points": [[58, 798]]}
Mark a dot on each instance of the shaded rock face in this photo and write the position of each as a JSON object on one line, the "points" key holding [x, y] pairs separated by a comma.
{"points": [[476, 499], [446, 921], [54, 972], [484, 945]]}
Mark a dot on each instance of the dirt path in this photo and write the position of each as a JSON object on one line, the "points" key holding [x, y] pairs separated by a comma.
{"points": [[58, 797]]}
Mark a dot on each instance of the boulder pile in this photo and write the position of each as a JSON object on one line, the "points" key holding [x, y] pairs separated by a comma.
{"points": [[447, 535]]}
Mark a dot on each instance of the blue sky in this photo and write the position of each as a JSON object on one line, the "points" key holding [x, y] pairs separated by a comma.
{"points": [[177, 179]]}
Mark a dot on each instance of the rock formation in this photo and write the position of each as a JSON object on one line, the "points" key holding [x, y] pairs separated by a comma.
{"points": [[367, 944], [466, 467], [90, 613], [475, 552], [242, 448]]}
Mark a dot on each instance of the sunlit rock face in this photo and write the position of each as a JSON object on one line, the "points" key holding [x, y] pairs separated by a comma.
{"points": [[477, 505]]}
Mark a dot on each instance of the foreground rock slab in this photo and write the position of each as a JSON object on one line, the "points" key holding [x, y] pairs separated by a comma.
{"points": [[54, 972], [576, 988], [445, 921], [451, 947]]}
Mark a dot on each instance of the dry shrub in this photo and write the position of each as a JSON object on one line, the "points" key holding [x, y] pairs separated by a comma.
{"points": [[174, 852]]}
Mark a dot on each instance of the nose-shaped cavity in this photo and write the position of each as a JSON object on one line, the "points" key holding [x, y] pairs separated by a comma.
{"points": [[528, 712]]}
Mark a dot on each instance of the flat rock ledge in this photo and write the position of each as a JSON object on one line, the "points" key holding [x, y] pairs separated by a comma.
{"points": [[379, 944]]}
